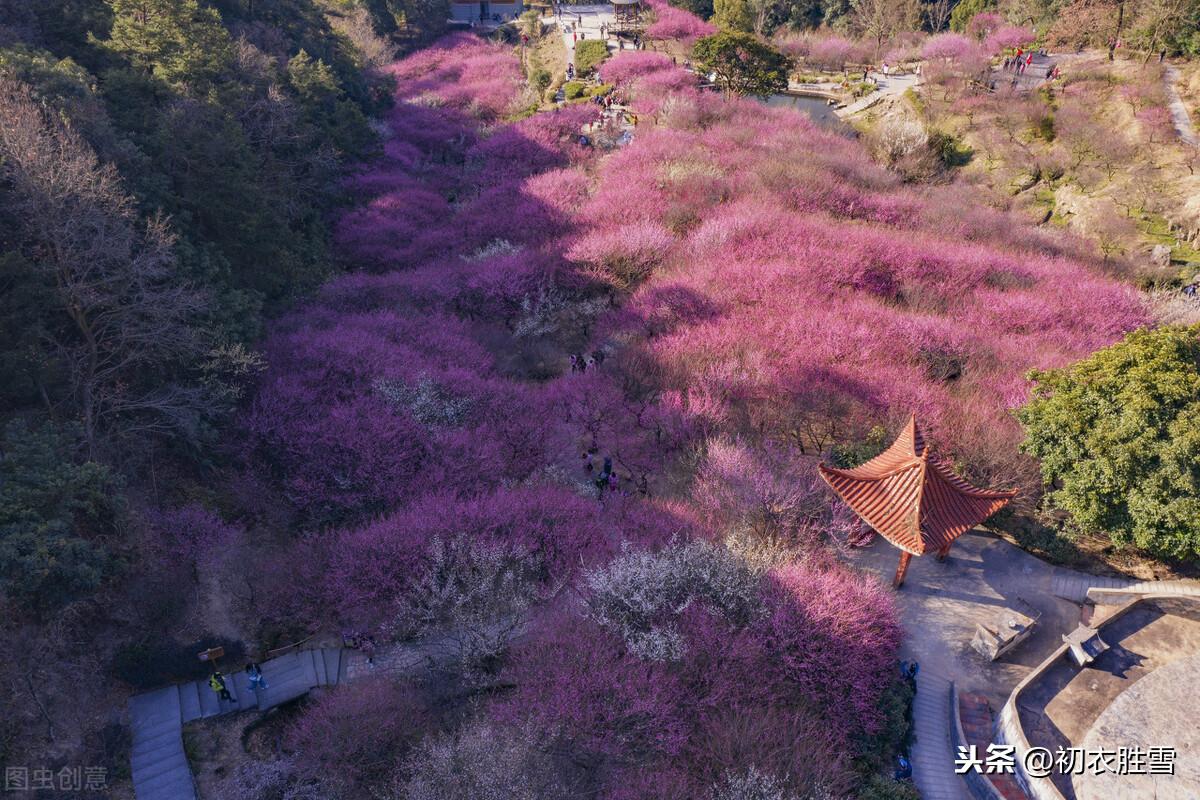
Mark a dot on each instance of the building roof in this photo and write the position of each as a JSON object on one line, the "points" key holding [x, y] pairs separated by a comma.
{"points": [[913, 499]]}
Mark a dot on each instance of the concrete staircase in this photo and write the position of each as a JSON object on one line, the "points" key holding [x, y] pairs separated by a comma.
{"points": [[1074, 586], [160, 769], [932, 753]]}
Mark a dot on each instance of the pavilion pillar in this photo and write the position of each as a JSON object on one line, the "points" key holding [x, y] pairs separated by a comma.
{"points": [[901, 568], [943, 552]]}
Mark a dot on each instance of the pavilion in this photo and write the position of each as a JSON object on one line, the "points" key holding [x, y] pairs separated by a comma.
{"points": [[913, 499], [627, 16]]}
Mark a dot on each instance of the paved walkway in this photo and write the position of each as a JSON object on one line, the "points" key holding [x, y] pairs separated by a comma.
{"points": [[1071, 585], [574, 21], [160, 768], [932, 755], [887, 87], [940, 604], [1033, 76], [1179, 112]]}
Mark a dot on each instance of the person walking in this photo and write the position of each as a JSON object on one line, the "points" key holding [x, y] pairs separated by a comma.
{"points": [[255, 676], [216, 682]]}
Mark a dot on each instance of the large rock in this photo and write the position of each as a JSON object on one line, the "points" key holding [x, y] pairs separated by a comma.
{"points": [[1160, 256]]}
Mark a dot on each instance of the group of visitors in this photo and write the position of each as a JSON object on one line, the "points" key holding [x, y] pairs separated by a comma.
{"points": [[582, 363], [1018, 63], [254, 676], [606, 478]]}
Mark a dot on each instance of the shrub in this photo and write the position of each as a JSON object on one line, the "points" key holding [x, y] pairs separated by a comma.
{"points": [[751, 785], [54, 515], [877, 787], [573, 90], [589, 54], [349, 740], [1118, 443], [639, 594], [579, 689], [150, 662], [481, 762], [263, 780]]}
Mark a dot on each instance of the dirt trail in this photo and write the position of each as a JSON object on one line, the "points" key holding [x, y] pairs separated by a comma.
{"points": [[1179, 112]]}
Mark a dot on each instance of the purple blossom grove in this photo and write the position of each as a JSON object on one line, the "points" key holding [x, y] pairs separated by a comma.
{"points": [[675, 23], [758, 291]]}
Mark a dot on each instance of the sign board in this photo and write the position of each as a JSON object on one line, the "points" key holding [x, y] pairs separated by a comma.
{"points": [[212, 654]]}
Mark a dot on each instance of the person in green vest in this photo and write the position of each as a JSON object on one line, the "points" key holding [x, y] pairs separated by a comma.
{"points": [[217, 682]]}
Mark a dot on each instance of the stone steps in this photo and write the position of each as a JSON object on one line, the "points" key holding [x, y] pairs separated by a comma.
{"points": [[932, 754], [160, 768], [1074, 586], [159, 765]]}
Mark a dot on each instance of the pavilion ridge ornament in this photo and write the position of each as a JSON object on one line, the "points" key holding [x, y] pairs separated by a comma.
{"points": [[913, 499]]}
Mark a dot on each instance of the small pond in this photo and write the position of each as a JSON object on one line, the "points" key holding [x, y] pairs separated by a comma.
{"points": [[816, 107]]}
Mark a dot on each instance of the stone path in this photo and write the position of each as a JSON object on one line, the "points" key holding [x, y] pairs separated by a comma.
{"points": [[932, 754], [1071, 585], [585, 20], [1033, 76], [160, 768], [940, 604], [1179, 112], [888, 87]]}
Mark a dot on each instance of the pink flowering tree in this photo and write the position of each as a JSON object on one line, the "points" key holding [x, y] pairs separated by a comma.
{"points": [[677, 24], [1008, 37], [830, 53], [984, 24]]}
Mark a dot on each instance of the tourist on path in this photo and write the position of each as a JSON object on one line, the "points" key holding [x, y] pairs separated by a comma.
{"points": [[217, 683], [254, 674]]}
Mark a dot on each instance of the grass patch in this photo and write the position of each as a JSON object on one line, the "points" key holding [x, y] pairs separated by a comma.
{"points": [[1156, 228], [914, 100], [589, 54]]}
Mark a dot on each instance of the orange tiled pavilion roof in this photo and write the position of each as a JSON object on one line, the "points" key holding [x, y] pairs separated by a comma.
{"points": [[911, 498]]}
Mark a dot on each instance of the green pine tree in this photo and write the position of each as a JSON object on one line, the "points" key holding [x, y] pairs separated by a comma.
{"points": [[178, 41]]}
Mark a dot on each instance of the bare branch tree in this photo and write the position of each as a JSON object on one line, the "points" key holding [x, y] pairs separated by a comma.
{"points": [[127, 320], [937, 14], [882, 19]]}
